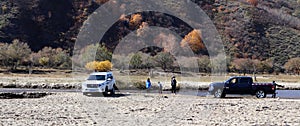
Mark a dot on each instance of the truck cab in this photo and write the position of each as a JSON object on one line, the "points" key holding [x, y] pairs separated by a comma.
{"points": [[239, 85]]}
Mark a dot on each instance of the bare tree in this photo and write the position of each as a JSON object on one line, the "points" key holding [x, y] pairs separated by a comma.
{"points": [[243, 65], [293, 65]]}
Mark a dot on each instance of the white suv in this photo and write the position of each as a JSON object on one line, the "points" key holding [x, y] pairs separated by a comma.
{"points": [[99, 82]]}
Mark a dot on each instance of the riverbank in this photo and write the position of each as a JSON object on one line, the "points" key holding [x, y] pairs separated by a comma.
{"points": [[74, 82], [148, 109]]}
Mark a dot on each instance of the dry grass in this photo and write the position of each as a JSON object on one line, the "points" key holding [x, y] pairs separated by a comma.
{"points": [[271, 77], [164, 77]]}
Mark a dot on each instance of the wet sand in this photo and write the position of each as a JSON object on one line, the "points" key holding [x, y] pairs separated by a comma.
{"points": [[148, 109]]}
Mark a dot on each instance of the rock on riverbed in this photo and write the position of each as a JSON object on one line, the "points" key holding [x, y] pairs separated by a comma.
{"points": [[8, 95]]}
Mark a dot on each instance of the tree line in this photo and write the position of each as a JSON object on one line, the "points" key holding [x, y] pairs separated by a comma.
{"points": [[18, 55], [241, 65]]}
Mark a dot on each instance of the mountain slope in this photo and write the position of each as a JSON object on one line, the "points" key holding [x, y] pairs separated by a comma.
{"points": [[269, 30]]}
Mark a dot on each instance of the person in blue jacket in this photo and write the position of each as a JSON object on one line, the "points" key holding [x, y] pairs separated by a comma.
{"points": [[148, 84]]}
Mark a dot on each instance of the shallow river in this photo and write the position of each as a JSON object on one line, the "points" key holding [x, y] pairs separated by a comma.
{"points": [[294, 94]]}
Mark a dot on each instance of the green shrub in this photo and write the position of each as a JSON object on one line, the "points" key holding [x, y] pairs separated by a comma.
{"points": [[136, 61], [44, 61], [164, 60], [140, 85], [52, 58]]}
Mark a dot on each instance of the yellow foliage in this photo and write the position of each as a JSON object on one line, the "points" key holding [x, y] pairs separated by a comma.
{"points": [[193, 40], [136, 20], [102, 66], [44, 61]]}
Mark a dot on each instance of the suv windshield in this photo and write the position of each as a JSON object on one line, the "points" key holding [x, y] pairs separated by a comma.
{"points": [[96, 77]]}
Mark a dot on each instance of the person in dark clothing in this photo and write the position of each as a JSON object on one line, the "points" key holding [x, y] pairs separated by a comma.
{"points": [[275, 85], [173, 84]]}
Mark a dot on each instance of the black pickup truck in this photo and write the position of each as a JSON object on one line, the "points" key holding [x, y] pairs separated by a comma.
{"points": [[242, 85]]}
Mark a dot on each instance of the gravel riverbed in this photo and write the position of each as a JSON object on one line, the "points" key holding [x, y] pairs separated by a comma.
{"points": [[148, 109]]}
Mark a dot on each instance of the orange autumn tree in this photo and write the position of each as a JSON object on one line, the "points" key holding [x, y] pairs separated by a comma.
{"points": [[194, 41], [102, 66], [135, 20]]}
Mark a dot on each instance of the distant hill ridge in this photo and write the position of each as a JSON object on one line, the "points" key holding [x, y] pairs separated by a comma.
{"points": [[269, 30]]}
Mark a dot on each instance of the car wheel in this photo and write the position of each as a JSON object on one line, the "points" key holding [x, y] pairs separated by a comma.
{"points": [[112, 91], [105, 92], [219, 93], [223, 95], [260, 94]]}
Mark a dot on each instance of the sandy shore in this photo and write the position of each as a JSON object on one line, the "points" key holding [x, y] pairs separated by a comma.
{"points": [[148, 109]]}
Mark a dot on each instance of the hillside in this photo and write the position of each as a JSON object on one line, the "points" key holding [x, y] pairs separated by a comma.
{"points": [[269, 30], [43, 23]]}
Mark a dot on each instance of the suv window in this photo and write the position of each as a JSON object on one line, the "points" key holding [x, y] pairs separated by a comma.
{"points": [[96, 77], [245, 80], [233, 81]]}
